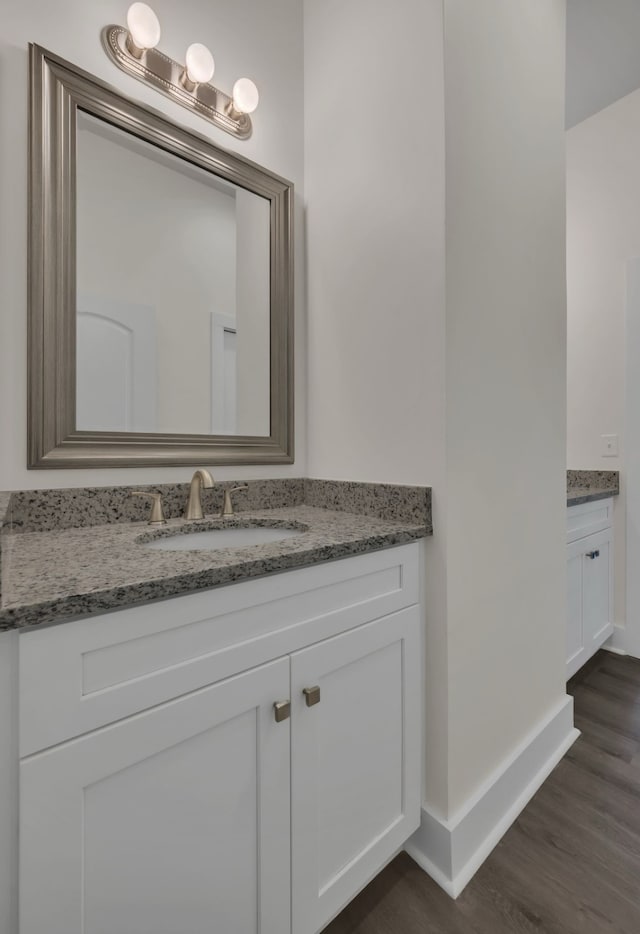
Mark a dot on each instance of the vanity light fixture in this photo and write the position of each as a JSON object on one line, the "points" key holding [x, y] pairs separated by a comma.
{"points": [[133, 50], [245, 96], [144, 29], [198, 66]]}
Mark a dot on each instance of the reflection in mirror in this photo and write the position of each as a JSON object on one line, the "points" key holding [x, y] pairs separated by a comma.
{"points": [[173, 292]]}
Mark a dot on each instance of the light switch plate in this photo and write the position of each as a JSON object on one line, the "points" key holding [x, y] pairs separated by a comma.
{"points": [[609, 445]]}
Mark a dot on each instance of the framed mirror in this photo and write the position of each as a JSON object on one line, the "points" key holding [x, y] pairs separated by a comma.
{"points": [[160, 288]]}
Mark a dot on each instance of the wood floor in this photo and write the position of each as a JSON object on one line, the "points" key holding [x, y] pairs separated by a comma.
{"points": [[571, 862]]}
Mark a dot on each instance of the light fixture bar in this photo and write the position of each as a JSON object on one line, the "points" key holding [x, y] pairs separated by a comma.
{"points": [[164, 74]]}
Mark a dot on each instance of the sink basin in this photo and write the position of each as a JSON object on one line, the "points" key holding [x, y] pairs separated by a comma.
{"points": [[211, 539]]}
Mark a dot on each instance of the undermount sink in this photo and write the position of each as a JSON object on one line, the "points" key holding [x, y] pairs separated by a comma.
{"points": [[212, 539]]}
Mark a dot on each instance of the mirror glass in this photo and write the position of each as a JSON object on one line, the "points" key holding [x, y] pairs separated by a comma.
{"points": [[173, 292]]}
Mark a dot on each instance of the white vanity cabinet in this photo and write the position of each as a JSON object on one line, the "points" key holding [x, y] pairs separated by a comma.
{"points": [[161, 790], [589, 580], [355, 762], [151, 826]]}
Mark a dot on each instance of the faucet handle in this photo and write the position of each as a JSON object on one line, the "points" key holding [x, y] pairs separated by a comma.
{"points": [[157, 516], [227, 505]]}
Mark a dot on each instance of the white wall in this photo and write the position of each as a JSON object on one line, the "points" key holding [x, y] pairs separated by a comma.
{"points": [[374, 224], [603, 232], [505, 378], [603, 235], [247, 37], [388, 360], [374, 178]]}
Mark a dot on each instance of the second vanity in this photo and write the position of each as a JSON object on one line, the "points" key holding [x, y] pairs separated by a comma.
{"points": [[590, 571], [241, 758]]}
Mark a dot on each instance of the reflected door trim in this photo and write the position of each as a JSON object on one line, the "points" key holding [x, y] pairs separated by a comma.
{"points": [[138, 393], [223, 409], [57, 90]]}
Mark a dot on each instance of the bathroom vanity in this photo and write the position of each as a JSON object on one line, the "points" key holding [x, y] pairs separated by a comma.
{"points": [[590, 504], [212, 736], [240, 758]]}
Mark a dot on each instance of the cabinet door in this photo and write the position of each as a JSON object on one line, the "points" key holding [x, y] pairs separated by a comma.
{"points": [[590, 589], [174, 820], [576, 651], [355, 761], [596, 591]]}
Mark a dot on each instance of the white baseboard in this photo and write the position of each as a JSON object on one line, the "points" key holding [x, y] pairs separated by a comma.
{"points": [[617, 642], [452, 851]]}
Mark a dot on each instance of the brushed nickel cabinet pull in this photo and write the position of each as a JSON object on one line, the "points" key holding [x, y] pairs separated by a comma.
{"points": [[282, 710], [312, 695]]}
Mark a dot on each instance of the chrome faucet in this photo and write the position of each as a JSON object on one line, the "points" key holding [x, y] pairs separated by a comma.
{"points": [[201, 479]]}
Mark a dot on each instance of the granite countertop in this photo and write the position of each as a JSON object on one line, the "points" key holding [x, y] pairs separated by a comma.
{"points": [[586, 486], [76, 552], [5, 499], [50, 576]]}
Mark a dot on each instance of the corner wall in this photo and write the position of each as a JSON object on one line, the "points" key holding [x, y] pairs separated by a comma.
{"points": [[375, 185], [506, 390], [247, 37], [467, 394]]}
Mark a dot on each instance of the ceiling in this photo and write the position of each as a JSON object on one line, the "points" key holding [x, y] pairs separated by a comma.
{"points": [[603, 54]]}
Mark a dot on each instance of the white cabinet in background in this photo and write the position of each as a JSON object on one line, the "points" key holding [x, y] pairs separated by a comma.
{"points": [[193, 809], [589, 580]]}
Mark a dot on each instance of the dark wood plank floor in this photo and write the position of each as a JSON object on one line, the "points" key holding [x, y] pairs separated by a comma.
{"points": [[571, 862]]}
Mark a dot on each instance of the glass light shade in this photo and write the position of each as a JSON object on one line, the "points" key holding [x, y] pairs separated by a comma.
{"points": [[143, 26], [245, 96], [199, 63]]}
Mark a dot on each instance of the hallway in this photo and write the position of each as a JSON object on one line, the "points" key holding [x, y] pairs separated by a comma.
{"points": [[571, 862]]}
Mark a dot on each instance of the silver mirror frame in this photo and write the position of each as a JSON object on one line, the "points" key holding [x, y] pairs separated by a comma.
{"points": [[57, 90]]}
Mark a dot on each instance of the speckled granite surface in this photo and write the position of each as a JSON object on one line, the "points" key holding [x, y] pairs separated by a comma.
{"points": [[592, 478], [58, 575], [76, 508], [5, 501], [381, 500], [585, 486]]}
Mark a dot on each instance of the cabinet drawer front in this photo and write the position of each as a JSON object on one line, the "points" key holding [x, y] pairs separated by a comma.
{"points": [[81, 675], [588, 518], [174, 820], [355, 761]]}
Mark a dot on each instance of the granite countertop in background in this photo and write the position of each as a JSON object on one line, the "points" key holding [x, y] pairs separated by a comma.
{"points": [[585, 486], [57, 566]]}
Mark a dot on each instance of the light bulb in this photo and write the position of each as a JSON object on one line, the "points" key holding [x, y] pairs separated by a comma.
{"points": [[143, 26], [245, 96], [200, 64]]}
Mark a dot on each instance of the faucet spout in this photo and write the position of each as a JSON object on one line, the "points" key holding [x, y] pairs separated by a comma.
{"points": [[201, 479]]}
